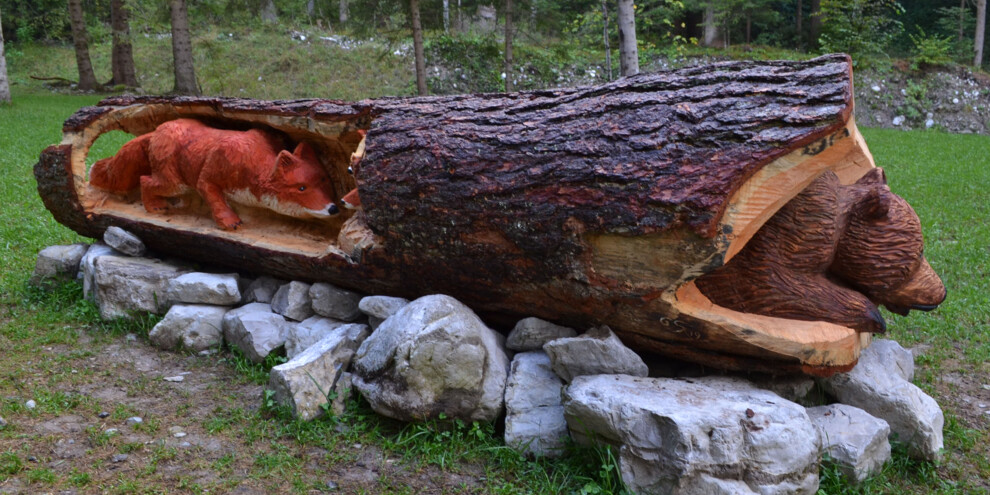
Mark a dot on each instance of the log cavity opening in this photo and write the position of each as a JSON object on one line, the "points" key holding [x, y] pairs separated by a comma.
{"points": [[332, 143]]}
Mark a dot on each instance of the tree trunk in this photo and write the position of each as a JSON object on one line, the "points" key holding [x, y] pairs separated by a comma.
{"points": [[816, 21], [122, 57], [583, 206], [608, 49], [981, 22], [446, 16], [962, 21], [508, 46], [310, 8], [711, 35], [4, 81], [799, 18], [268, 12], [628, 51], [417, 29], [87, 78], [749, 24], [185, 74], [344, 12]]}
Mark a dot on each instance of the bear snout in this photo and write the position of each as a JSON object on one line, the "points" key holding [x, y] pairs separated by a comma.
{"points": [[922, 291]]}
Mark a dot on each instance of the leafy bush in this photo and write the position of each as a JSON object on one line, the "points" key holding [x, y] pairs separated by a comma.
{"points": [[861, 28], [930, 50]]}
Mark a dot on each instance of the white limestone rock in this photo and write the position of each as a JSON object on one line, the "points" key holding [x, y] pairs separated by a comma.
{"points": [[534, 421], [205, 288], [312, 330], [124, 241], [255, 330], [597, 352], [697, 436], [293, 302], [530, 334], [305, 382], [856, 441], [433, 356], [87, 268], [58, 262], [378, 308], [333, 302], [878, 386], [194, 328], [125, 285]]}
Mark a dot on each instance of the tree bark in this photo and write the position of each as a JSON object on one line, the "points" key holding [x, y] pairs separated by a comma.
{"points": [[185, 73], [417, 29], [268, 12], [446, 16], [749, 25], [508, 46], [981, 22], [4, 81], [122, 56], [711, 34], [816, 21], [583, 206], [799, 18], [344, 12], [962, 21], [87, 78], [628, 50]]}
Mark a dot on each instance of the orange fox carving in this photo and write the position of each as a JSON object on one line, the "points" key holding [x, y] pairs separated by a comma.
{"points": [[245, 167]]}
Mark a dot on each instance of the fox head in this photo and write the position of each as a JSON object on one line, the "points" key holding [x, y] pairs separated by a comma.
{"points": [[299, 186], [881, 251]]}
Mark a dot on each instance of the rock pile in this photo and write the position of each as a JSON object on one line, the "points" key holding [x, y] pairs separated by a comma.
{"points": [[674, 430]]}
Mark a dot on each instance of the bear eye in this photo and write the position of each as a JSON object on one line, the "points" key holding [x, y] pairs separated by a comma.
{"points": [[302, 188]]}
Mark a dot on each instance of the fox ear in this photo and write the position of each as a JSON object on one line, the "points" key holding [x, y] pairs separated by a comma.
{"points": [[283, 162], [305, 152], [875, 204], [874, 176]]}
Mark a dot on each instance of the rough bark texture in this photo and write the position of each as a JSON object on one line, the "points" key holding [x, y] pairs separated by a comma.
{"points": [[417, 29], [122, 57], [342, 11], [711, 36], [981, 22], [87, 78], [4, 82], [816, 22], [628, 51], [185, 73], [508, 46], [583, 206]]}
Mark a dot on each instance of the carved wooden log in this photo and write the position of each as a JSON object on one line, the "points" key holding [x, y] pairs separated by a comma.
{"points": [[583, 206]]}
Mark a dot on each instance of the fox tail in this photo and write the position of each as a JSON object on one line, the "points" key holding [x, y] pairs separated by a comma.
{"points": [[122, 172]]}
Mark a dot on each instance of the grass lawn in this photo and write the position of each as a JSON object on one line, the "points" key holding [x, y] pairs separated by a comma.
{"points": [[56, 352]]}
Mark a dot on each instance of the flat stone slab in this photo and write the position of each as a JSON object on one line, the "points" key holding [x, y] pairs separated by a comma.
{"points": [[597, 352], [696, 436], [192, 327], [87, 268], [530, 334], [125, 285], [333, 302], [262, 289], [312, 330], [293, 302], [534, 421], [856, 441], [378, 308], [205, 288], [124, 241]]}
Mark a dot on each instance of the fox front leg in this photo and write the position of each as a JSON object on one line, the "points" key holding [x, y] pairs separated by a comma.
{"points": [[222, 213]]}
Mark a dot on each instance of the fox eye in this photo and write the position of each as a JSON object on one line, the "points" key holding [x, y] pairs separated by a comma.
{"points": [[302, 188], [350, 170]]}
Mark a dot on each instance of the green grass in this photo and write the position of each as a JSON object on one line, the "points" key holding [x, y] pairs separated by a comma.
{"points": [[943, 176]]}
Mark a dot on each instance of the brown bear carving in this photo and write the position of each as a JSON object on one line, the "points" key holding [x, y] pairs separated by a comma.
{"points": [[833, 253]]}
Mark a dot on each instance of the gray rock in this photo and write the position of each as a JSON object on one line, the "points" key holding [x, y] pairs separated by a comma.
{"points": [[119, 457], [255, 330], [30, 404], [379, 308], [125, 285], [310, 331], [597, 352], [856, 441], [3, 423], [191, 327], [204, 288], [334, 302], [134, 420], [293, 302], [124, 241], [530, 334], [534, 421], [305, 382], [58, 262], [877, 386], [792, 388], [262, 289], [87, 268], [707, 435], [899, 360], [433, 356]]}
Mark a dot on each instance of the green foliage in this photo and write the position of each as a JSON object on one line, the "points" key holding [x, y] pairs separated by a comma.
{"points": [[10, 464], [861, 28], [949, 19], [930, 50]]}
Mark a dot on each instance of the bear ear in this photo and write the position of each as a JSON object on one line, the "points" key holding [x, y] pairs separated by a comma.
{"points": [[874, 176], [875, 204]]}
